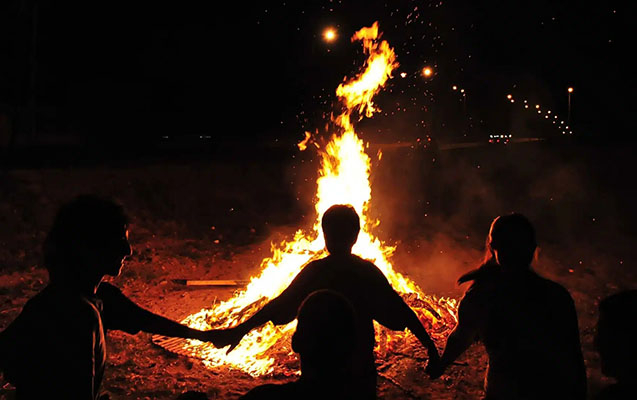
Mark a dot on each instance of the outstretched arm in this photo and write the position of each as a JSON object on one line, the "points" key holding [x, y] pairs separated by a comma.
{"points": [[154, 323], [416, 327], [121, 313], [280, 310], [393, 313], [462, 336]]}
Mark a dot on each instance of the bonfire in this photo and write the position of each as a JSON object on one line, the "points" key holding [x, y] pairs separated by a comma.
{"points": [[343, 179]]}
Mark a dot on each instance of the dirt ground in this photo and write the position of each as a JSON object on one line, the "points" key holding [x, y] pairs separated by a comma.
{"points": [[215, 219]]}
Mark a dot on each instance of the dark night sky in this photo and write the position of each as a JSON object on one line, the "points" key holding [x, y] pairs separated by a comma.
{"points": [[140, 70]]}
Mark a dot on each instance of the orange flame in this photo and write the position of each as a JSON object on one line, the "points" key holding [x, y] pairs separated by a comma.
{"points": [[381, 62], [343, 179], [303, 143]]}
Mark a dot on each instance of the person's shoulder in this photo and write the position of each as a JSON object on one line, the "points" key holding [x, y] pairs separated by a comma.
{"points": [[360, 262], [481, 275], [108, 292], [85, 310], [58, 299], [314, 267], [316, 263], [554, 289], [57, 308], [366, 267], [484, 282], [349, 261]]}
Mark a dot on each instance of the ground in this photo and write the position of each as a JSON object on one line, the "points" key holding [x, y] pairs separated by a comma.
{"points": [[215, 219]]}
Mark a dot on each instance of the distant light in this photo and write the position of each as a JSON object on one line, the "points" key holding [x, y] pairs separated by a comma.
{"points": [[427, 71], [509, 96], [329, 35], [403, 74], [570, 90], [461, 90], [537, 106], [454, 87]]}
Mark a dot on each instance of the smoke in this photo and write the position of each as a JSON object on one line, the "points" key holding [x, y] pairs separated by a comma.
{"points": [[438, 205]]}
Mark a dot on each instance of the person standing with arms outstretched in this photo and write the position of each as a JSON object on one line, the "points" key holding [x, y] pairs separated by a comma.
{"points": [[359, 281]]}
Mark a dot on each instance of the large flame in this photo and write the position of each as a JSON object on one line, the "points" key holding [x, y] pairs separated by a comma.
{"points": [[343, 179]]}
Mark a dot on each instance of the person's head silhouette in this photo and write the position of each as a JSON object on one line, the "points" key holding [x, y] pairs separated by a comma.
{"points": [[341, 225], [88, 239], [325, 333], [511, 241]]}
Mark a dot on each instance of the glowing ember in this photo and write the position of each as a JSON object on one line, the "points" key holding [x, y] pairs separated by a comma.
{"points": [[343, 179]]}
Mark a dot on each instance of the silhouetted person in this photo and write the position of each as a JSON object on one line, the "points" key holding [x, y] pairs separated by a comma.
{"points": [[360, 281], [55, 348], [527, 323], [324, 339], [616, 341]]}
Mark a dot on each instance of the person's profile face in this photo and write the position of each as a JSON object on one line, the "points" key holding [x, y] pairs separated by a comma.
{"points": [[113, 250]]}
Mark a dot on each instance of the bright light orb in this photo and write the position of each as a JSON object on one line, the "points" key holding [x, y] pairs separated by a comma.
{"points": [[329, 35], [570, 90], [427, 72]]}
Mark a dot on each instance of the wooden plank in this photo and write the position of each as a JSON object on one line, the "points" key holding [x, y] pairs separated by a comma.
{"points": [[211, 282]]}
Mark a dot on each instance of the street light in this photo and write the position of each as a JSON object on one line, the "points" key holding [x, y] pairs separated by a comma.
{"points": [[568, 115], [427, 72], [329, 35]]}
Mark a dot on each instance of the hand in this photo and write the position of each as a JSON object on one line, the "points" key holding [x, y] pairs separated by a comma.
{"points": [[223, 337], [434, 367]]}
